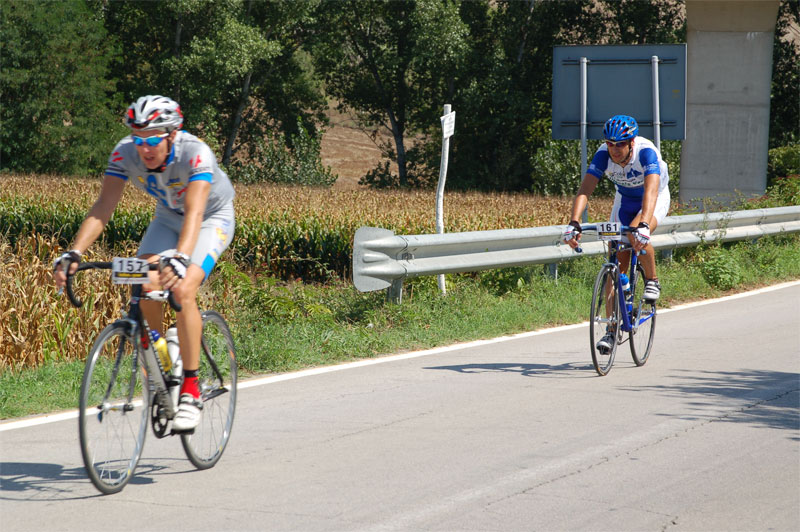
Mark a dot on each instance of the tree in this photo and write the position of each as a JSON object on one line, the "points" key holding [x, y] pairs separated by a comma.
{"points": [[58, 112], [504, 93], [784, 127], [391, 62], [236, 67]]}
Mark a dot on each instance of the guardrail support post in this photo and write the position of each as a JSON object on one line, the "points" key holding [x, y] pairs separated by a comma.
{"points": [[395, 292], [552, 268]]}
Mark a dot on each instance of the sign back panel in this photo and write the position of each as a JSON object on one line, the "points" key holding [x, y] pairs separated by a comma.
{"points": [[619, 81]]}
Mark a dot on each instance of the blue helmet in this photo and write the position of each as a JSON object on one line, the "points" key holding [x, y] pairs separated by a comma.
{"points": [[620, 127]]}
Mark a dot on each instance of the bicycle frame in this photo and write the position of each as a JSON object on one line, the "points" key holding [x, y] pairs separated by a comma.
{"points": [[616, 247], [156, 376], [625, 314], [139, 334], [125, 387]]}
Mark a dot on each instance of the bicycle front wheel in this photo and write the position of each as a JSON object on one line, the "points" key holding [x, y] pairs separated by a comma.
{"points": [[604, 320], [113, 410], [643, 319], [217, 377]]}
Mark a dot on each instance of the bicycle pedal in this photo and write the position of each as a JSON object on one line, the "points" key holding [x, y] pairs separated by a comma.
{"points": [[178, 432]]}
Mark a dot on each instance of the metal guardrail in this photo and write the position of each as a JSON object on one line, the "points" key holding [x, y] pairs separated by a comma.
{"points": [[382, 259]]}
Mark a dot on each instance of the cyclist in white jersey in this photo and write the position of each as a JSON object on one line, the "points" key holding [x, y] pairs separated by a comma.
{"points": [[193, 223], [635, 166]]}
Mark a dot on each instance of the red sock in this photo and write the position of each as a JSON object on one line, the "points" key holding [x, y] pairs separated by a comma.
{"points": [[190, 386]]}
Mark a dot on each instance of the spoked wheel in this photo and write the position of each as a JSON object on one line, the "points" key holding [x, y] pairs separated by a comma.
{"points": [[113, 410], [604, 320], [217, 378], [643, 318]]}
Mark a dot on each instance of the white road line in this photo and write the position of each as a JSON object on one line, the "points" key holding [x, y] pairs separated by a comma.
{"points": [[260, 381]]}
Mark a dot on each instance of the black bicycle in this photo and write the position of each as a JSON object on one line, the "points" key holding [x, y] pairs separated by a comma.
{"points": [[126, 385], [613, 316]]}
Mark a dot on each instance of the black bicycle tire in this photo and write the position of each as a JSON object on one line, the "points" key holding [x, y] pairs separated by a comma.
{"points": [[602, 369], [188, 440], [105, 485], [638, 358]]}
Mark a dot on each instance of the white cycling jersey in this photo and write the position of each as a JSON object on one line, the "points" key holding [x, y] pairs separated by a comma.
{"points": [[629, 180], [189, 160]]}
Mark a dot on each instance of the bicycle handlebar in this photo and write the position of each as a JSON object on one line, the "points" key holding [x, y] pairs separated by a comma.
{"points": [[100, 265], [623, 229]]}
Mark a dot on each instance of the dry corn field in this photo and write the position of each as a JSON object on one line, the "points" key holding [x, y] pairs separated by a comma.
{"points": [[37, 325], [463, 211]]}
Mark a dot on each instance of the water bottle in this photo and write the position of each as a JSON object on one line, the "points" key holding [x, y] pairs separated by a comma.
{"points": [[174, 350], [160, 346], [626, 291]]}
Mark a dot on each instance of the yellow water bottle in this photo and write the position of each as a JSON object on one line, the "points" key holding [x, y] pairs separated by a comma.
{"points": [[160, 345]]}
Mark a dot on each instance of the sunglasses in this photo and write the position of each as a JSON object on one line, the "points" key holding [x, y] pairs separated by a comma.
{"points": [[150, 141], [620, 144]]}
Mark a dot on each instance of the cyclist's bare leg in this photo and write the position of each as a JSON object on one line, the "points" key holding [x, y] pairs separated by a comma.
{"points": [[190, 323], [153, 310]]}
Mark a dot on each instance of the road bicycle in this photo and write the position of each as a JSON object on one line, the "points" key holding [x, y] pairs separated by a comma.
{"points": [[630, 313], [126, 386]]}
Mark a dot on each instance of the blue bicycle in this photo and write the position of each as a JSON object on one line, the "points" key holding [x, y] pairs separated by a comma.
{"points": [[612, 315]]}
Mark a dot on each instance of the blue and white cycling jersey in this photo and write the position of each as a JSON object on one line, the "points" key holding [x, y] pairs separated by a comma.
{"points": [[629, 179], [190, 160]]}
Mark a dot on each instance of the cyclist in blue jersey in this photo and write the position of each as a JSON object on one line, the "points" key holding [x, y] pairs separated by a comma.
{"points": [[642, 199], [193, 223]]}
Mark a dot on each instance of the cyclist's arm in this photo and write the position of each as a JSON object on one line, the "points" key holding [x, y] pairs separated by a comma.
{"points": [[193, 209], [651, 183], [100, 213], [588, 185]]}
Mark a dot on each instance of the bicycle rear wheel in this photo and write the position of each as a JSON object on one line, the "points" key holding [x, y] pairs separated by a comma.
{"points": [[113, 410], [604, 319], [217, 377], [643, 318]]}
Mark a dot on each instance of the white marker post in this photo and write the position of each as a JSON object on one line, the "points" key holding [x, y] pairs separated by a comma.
{"points": [[448, 126]]}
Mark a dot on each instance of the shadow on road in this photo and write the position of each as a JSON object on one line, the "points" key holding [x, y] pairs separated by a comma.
{"points": [[47, 482], [767, 398], [575, 369]]}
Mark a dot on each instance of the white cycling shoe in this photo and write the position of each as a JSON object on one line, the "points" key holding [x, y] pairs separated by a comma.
{"points": [[189, 412], [652, 291]]}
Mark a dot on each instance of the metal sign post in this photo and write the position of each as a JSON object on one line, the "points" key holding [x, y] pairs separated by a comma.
{"points": [[656, 107], [448, 126], [584, 125]]}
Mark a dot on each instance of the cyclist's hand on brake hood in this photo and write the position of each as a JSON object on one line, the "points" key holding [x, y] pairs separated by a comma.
{"points": [[572, 234]]}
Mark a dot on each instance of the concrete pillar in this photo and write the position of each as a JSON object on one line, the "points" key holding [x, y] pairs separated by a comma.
{"points": [[729, 72]]}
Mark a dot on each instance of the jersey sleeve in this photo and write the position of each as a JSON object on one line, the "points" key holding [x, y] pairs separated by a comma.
{"points": [[599, 164], [117, 162], [648, 158], [201, 164]]}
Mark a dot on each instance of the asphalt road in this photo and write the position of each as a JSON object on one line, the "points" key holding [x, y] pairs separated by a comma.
{"points": [[504, 435]]}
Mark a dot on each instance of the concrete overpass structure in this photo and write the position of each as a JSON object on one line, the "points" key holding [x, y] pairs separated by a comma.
{"points": [[729, 74]]}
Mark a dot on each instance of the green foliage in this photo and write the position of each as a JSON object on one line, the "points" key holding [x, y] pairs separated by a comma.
{"points": [[556, 167], [236, 67], [783, 192], [241, 68], [20, 217], [720, 269], [395, 71], [783, 161], [309, 248], [57, 112], [784, 115], [274, 158]]}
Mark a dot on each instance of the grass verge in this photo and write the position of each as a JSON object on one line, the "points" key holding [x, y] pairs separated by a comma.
{"points": [[281, 327]]}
